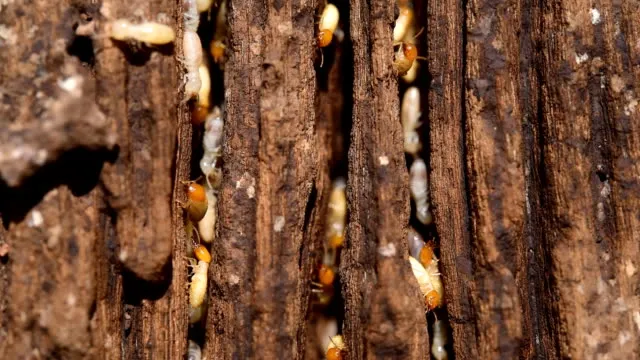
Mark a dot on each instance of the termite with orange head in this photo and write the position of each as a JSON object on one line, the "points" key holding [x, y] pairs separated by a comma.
{"points": [[150, 33], [405, 56], [418, 185], [410, 115], [196, 205], [217, 46], [336, 217], [418, 249], [429, 281], [336, 349], [328, 24]]}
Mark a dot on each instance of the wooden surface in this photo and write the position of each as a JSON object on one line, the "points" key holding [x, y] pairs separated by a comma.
{"points": [[532, 134]]}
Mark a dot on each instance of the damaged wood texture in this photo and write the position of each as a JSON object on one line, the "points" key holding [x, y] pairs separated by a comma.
{"points": [[534, 138]]}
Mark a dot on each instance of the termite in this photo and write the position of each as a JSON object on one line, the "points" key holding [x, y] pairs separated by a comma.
{"points": [[150, 33], [191, 50], [217, 46], [403, 23], [429, 282], [410, 115], [198, 285], [194, 352], [336, 216], [326, 275], [406, 55], [328, 24], [195, 314], [420, 250], [207, 226], [412, 74], [201, 107], [196, 205], [336, 348], [212, 146], [439, 341], [418, 184]]}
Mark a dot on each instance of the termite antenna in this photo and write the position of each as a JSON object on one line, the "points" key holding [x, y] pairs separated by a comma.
{"points": [[321, 57], [419, 32]]}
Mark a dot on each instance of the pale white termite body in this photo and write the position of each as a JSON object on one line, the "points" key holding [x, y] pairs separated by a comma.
{"points": [[212, 146], [150, 33], [207, 226], [410, 116], [439, 341], [328, 24], [429, 282], [418, 184], [336, 342], [403, 23], [337, 213], [326, 328], [203, 5], [412, 74], [195, 314], [198, 286], [194, 352], [416, 243], [191, 50]]}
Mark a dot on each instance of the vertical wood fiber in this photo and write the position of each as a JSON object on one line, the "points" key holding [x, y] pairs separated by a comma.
{"points": [[384, 315]]}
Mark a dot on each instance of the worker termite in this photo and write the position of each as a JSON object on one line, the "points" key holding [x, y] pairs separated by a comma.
{"points": [[429, 282], [418, 184], [201, 107], [194, 352], [196, 205], [150, 33], [405, 56], [326, 275], [195, 314], [191, 50], [439, 341], [217, 46], [336, 348], [403, 23], [410, 115], [212, 146], [198, 285], [336, 216], [328, 24], [207, 226]]}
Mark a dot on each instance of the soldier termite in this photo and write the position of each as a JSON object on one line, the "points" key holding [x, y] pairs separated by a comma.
{"points": [[406, 54], [201, 107], [336, 348], [439, 341], [212, 146], [150, 33], [194, 352], [207, 226], [418, 184], [403, 23], [410, 115], [328, 24], [429, 281], [336, 216], [196, 205]]}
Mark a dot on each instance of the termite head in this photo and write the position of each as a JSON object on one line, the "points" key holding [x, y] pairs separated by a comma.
{"points": [[336, 240], [410, 51], [433, 300], [217, 51], [336, 348], [199, 114], [196, 205], [326, 275], [324, 38], [426, 256], [202, 254]]}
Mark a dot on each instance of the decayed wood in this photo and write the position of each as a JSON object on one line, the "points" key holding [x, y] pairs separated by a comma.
{"points": [[259, 279], [384, 314], [589, 73], [448, 186]]}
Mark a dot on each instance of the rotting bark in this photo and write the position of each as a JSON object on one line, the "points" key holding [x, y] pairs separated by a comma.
{"points": [[384, 314], [261, 272]]}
